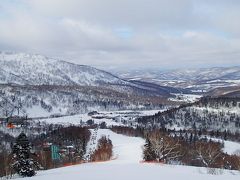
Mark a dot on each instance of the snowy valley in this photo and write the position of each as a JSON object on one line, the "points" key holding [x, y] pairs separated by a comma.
{"points": [[79, 122], [198, 80], [41, 86], [119, 89]]}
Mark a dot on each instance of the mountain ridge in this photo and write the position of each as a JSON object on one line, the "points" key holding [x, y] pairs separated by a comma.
{"points": [[201, 80], [39, 70], [50, 86]]}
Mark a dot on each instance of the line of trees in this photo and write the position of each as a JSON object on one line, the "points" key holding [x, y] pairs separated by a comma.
{"points": [[23, 152], [128, 131], [71, 142], [165, 148]]}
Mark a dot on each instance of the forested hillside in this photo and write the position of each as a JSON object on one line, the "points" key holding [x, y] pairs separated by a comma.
{"points": [[208, 113]]}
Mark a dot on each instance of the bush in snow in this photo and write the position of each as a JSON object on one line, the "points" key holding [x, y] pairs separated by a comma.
{"points": [[104, 150]]}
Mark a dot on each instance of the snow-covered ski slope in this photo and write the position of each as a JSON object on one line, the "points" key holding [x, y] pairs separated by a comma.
{"points": [[126, 150], [126, 165]]}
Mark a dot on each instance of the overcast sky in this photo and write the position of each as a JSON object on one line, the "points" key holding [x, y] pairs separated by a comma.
{"points": [[125, 33]]}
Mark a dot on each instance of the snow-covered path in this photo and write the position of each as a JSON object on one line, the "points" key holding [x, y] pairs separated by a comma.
{"points": [[125, 149], [127, 166]]}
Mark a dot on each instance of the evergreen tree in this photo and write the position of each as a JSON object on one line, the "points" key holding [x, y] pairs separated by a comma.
{"points": [[149, 153], [22, 163], [191, 138]]}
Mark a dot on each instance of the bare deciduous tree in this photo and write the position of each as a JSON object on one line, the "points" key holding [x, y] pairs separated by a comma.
{"points": [[208, 153], [165, 147]]}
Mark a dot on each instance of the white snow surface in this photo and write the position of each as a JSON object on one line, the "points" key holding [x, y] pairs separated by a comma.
{"points": [[127, 166], [185, 97], [230, 147], [108, 115], [126, 150]]}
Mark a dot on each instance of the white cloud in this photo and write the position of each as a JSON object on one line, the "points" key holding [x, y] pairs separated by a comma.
{"points": [[125, 33]]}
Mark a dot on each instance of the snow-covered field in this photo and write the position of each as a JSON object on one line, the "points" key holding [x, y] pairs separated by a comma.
{"points": [[185, 98], [107, 117], [126, 165], [230, 147]]}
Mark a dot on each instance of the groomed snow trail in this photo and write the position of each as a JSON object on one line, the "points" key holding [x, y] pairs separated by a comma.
{"points": [[126, 166], [125, 149]]}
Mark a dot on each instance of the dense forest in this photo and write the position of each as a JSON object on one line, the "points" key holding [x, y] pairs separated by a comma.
{"points": [[221, 114]]}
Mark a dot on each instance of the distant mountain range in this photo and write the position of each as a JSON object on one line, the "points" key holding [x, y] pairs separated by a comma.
{"points": [[42, 86], [230, 91], [38, 84], [203, 79], [27, 69]]}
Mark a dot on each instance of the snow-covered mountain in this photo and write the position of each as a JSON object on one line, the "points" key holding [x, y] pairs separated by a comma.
{"points": [[221, 73], [231, 91], [28, 69], [22, 69], [43, 86], [202, 79]]}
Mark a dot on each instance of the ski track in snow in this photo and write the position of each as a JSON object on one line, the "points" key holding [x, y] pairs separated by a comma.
{"points": [[126, 166], [126, 150]]}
